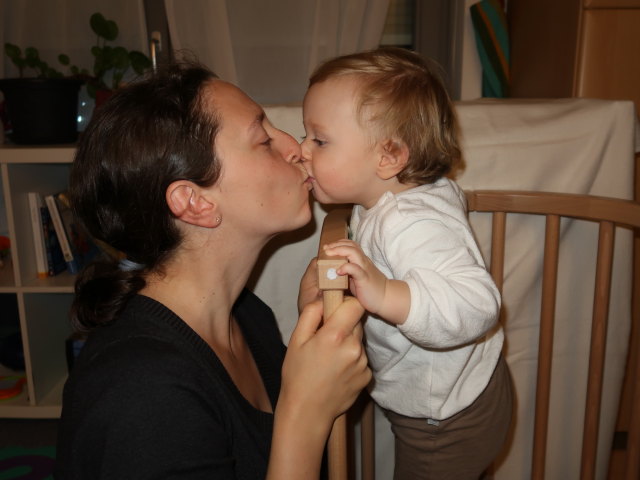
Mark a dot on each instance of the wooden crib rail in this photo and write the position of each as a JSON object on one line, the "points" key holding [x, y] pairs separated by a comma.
{"points": [[608, 213], [335, 227]]}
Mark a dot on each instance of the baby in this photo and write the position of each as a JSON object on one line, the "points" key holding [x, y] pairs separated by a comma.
{"points": [[381, 133]]}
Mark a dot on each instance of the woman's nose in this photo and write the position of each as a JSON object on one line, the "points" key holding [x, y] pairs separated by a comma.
{"points": [[291, 149]]}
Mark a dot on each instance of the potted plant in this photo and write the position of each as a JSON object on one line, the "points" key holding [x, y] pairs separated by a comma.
{"points": [[43, 108], [111, 63]]}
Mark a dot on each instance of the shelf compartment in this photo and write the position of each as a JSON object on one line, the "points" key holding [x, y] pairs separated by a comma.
{"points": [[21, 407], [61, 283], [7, 279], [44, 178], [43, 153], [43, 339]]}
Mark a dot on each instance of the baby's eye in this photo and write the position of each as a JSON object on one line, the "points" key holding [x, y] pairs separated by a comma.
{"points": [[319, 142]]}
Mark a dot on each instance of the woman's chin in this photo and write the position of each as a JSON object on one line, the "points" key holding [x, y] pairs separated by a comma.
{"points": [[305, 216]]}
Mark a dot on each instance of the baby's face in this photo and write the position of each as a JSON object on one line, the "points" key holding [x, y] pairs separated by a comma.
{"points": [[337, 152]]}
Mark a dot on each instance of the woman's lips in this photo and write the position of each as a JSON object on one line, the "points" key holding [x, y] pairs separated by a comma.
{"points": [[309, 182]]}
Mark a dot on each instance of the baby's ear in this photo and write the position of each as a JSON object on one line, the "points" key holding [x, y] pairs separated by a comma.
{"points": [[188, 202], [393, 157]]}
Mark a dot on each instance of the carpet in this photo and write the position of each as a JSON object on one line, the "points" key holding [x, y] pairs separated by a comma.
{"points": [[18, 463]]}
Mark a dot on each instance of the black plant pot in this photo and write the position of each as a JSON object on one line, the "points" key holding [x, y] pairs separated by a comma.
{"points": [[42, 110]]}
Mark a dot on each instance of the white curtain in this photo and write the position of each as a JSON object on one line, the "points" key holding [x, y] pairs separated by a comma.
{"points": [[269, 48], [62, 26]]}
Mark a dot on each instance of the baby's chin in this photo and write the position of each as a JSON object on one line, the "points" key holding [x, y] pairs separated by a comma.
{"points": [[322, 197]]}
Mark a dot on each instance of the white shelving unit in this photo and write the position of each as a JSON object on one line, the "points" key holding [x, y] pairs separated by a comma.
{"points": [[43, 304]]}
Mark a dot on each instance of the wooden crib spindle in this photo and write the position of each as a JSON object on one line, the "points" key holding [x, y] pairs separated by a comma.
{"points": [[332, 285], [335, 227]]}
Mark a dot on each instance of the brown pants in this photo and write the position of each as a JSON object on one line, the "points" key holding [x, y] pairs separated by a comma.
{"points": [[460, 447]]}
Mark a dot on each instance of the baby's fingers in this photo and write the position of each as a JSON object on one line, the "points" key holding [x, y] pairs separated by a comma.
{"points": [[345, 242]]}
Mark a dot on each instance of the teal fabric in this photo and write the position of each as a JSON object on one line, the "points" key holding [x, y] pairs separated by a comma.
{"points": [[492, 42]]}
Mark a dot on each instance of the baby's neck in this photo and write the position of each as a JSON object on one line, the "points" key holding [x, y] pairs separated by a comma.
{"points": [[393, 187]]}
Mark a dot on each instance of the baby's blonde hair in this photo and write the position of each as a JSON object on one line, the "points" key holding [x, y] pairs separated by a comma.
{"points": [[401, 96]]}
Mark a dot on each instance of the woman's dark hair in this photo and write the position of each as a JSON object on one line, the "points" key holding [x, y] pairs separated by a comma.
{"points": [[146, 136]]}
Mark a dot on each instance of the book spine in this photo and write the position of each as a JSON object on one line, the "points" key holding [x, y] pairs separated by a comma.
{"points": [[35, 203], [55, 259], [65, 246]]}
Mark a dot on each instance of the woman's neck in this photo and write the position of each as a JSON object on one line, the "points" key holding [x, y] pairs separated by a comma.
{"points": [[202, 290], [201, 285]]}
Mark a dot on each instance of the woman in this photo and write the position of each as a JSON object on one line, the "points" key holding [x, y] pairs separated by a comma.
{"points": [[180, 375]]}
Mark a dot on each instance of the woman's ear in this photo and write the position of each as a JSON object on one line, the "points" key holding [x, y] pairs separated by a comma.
{"points": [[393, 157], [187, 202]]}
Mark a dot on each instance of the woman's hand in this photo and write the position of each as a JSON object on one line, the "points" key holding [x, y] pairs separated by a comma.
{"points": [[309, 290], [326, 367], [324, 371]]}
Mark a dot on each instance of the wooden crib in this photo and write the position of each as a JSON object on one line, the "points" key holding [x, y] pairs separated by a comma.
{"points": [[560, 212]]}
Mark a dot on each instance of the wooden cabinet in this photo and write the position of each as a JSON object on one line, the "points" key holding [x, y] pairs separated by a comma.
{"points": [[43, 304], [575, 48]]}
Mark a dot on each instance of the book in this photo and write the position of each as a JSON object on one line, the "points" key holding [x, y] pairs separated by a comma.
{"points": [[55, 259], [35, 210], [77, 246]]}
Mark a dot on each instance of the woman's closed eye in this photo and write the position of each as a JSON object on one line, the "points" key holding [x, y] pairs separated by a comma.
{"points": [[267, 142]]}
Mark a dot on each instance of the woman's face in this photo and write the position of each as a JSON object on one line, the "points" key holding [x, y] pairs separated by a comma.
{"points": [[263, 187]]}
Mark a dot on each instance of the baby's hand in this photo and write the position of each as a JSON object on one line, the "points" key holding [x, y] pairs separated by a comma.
{"points": [[366, 282]]}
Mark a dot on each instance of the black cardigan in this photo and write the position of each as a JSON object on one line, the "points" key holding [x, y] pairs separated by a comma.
{"points": [[148, 398]]}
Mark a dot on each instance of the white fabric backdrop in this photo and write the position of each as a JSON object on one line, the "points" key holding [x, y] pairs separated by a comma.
{"points": [[566, 145]]}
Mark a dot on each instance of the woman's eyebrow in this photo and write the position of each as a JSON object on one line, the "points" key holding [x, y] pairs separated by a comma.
{"points": [[257, 122]]}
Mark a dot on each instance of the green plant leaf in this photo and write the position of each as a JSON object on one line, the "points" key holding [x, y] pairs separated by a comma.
{"points": [[52, 73], [107, 29], [33, 62], [106, 58], [99, 25], [112, 31], [12, 51], [139, 62], [31, 54], [44, 68], [64, 59], [120, 58]]}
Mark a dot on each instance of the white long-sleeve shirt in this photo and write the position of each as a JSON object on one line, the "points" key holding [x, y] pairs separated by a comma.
{"points": [[441, 358]]}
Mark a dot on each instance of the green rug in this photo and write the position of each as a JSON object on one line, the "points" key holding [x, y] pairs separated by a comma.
{"points": [[17, 463]]}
